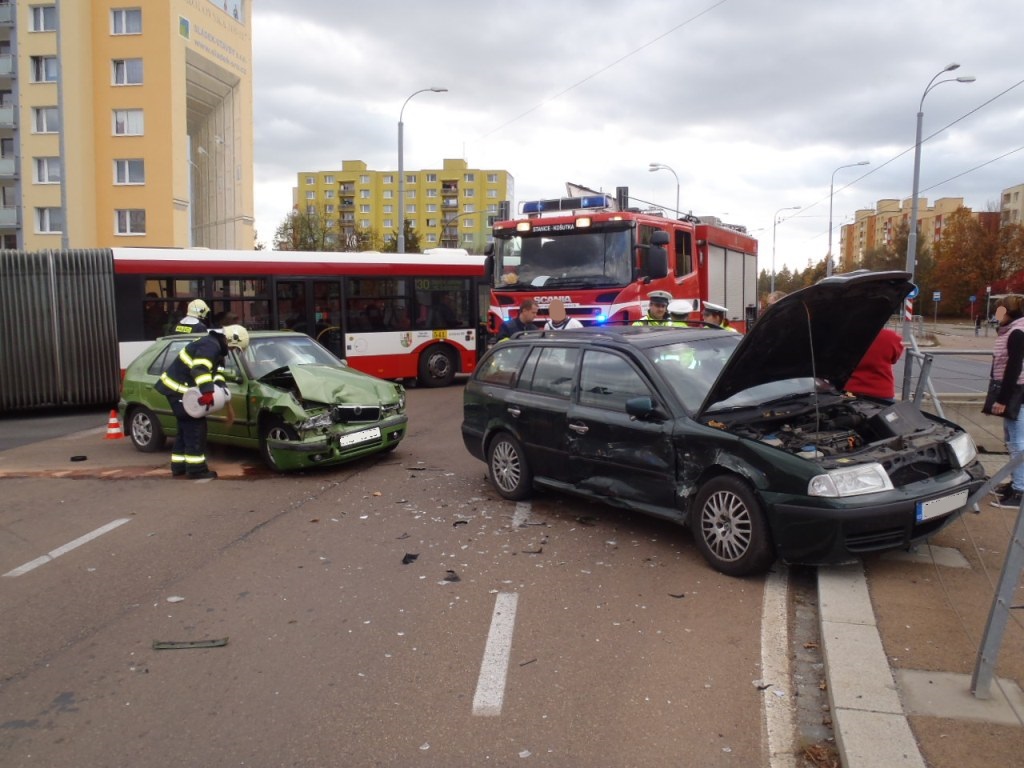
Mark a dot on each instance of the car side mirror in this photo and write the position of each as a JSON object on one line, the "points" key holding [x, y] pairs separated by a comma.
{"points": [[644, 409]]}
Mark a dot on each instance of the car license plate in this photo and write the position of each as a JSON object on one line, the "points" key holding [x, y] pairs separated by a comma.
{"points": [[926, 510], [363, 436]]}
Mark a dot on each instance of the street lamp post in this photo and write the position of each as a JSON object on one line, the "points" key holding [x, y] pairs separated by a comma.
{"points": [[401, 170], [662, 167], [912, 232], [831, 188], [775, 223]]}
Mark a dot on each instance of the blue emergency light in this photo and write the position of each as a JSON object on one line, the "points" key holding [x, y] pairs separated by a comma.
{"points": [[567, 204]]}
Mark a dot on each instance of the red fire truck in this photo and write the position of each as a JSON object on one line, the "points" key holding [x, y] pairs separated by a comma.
{"points": [[603, 260]]}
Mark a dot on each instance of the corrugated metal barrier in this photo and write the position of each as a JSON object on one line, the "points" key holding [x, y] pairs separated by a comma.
{"points": [[58, 334]]}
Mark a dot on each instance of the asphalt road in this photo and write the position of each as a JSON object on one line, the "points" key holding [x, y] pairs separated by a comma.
{"points": [[391, 612]]}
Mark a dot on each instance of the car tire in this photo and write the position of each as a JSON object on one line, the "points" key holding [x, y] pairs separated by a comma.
{"points": [[730, 528], [274, 428], [507, 468], [437, 366], [144, 430]]}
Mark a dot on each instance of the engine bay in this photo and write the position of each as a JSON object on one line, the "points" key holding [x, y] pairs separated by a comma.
{"points": [[817, 427]]}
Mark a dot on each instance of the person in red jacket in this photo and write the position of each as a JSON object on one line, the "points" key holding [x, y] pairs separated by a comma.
{"points": [[873, 376]]}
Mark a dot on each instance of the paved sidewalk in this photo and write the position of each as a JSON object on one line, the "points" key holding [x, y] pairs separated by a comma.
{"points": [[901, 633]]}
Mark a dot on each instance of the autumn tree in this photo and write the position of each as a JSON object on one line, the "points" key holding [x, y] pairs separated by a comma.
{"points": [[309, 230], [412, 240], [966, 260]]}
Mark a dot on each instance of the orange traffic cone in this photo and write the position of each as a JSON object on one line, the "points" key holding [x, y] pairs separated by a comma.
{"points": [[113, 427]]}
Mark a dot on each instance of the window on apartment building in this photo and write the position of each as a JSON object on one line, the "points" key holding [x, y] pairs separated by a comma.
{"points": [[492, 178], [9, 242], [311, 194], [469, 223], [364, 179], [431, 237], [364, 223], [389, 223], [311, 210], [47, 170], [329, 179], [126, 21], [44, 69], [44, 18], [492, 193], [130, 221], [387, 179], [311, 179], [129, 171], [431, 207], [469, 208], [469, 177], [387, 209], [410, 178], [469, 193], [45, 120], [431, 178], [364, 194], [6, 98], [431, 193], [329, 208], [127, 71], [49, 220], [388, 194], [329, 194], [128, 122], [410, 209], [364, 208], [7, 147]]}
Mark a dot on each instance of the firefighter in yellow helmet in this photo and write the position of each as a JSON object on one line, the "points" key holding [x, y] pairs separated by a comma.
{"points": [[195, 319], [198, 365]]}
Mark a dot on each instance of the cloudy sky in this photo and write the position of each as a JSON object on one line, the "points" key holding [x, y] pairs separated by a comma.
{"points": [[755, 104]]}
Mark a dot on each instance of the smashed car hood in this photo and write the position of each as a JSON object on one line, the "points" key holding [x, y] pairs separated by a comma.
{"points": [[820, 331], [327, 384]]}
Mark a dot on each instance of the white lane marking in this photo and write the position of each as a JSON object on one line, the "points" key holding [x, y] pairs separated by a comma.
{"points": [[490, 688], [22, 569], [778, 710], [521, 515]]}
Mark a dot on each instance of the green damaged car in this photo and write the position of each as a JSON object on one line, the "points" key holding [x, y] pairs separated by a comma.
{"points": [[291, 398]]}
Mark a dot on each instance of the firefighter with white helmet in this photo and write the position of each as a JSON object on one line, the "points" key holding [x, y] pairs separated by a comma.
{"points": [[198, 365], [194, 320], [657, 310]]}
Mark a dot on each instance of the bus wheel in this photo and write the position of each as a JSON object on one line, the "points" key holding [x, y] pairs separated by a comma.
{"points": [[145, 431], [437, 367], [274, 428]]}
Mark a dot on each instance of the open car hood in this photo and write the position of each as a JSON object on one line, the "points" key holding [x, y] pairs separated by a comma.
{"points": [[821, 331], [327, 384]]}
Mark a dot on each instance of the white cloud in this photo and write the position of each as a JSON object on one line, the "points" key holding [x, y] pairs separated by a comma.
{"points": [[753, 104]]}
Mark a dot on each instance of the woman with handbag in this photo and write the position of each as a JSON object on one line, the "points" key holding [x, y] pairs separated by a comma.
{"points": [[1006, 390]]}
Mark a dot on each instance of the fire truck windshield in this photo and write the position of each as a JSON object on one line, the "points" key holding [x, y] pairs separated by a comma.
{"points": [[569, 259]]}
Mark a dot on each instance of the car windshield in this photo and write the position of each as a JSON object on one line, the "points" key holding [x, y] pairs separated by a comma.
{"points": [[692, 367], [268, 354]]}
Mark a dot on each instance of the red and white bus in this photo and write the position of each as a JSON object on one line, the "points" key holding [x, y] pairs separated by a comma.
{"points": [[395, 316], [603, 262]]}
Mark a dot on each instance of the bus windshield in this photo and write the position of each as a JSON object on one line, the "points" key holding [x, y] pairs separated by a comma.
{"points": [[572, 259]]}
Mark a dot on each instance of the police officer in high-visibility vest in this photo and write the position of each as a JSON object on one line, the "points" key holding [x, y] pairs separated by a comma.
{"points": [[195, 319], [657, 310], [716, 313], [197, 365]]}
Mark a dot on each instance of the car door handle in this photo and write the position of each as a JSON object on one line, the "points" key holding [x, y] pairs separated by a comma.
{"points": [[580, 429], [513, 411]]}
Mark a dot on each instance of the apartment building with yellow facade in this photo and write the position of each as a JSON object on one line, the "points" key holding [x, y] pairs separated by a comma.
{"points": [[126, 123], [876, 227], [453, 206]]}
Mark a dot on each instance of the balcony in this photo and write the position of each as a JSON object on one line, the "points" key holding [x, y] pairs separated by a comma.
{"points": [[8, 216], [7, 116], [6, 14], [8, 169], [6, 65]]}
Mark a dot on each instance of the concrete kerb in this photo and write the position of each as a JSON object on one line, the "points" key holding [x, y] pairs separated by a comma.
{"points": [[869, 717]]}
